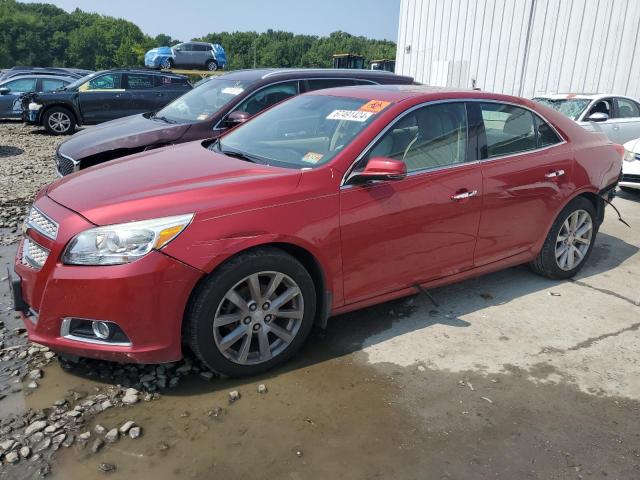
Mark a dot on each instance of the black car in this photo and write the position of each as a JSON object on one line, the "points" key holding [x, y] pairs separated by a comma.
{"points": [[206, 112], [102, 96]]}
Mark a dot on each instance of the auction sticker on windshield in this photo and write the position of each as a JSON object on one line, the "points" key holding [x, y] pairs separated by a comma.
{"points": [[312, 157], [374, 106], [233, 90], [350, 115]]}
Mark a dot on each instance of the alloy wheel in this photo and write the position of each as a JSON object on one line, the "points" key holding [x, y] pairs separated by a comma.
{"points": [[59, 122], [574, 239], [258, 318]]}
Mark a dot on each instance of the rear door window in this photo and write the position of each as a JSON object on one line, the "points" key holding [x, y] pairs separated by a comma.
{"points": [[545, 134], [50, 84], [139, 81], [627, 108], [322, 83], [509, 129]]}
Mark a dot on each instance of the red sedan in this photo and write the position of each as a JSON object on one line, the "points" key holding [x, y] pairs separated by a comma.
{"points": [[326, 203]]}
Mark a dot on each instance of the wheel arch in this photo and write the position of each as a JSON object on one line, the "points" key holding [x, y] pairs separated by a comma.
{"points": [[66, 106], [309, 261]]}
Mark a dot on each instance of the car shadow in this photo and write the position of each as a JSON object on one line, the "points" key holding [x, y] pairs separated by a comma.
{"points": [[351, 332], [633, 196]]}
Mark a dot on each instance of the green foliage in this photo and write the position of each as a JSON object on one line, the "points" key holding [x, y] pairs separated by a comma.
{"points": [[40, 34]]}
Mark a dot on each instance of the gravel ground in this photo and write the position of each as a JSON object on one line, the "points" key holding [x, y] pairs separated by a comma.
{"points": [[26, 164], [510, 376]]}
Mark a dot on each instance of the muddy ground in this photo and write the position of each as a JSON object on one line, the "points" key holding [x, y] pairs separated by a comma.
{"points": [[509, 376]]}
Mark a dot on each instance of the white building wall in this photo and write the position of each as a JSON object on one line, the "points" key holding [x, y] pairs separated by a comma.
{"points": [[522, 47]]}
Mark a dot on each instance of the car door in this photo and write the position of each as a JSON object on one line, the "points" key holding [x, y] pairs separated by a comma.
{"points": [[102, 98], [603, 105], [140, 88], [201, 53], [182, 54], [10, 102], [399, 233], [526, 170], [625, 124]]}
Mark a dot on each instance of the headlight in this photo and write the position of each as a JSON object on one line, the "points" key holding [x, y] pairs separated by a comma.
{"points": [[123, 243], [34, 106], [629, 156]]}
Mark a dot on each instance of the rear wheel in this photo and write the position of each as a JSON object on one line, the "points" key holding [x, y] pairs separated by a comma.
{"points": [[569, 242], [59, 121], [252, 314], [212, 65]]}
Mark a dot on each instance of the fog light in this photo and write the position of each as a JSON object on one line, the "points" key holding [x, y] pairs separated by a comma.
{"points": [[101, 330]]}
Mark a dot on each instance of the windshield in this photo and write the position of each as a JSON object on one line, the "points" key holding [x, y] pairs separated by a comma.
{"points": [[202, 102], [80, 81], [303, 132], [571, 107]]}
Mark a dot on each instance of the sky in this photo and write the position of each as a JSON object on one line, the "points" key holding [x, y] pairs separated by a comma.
{"points": [[194, 18]]}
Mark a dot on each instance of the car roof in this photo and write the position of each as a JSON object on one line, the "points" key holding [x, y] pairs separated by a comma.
{"points": [[399, 93], [286, 73], [585, 96], [39, 75], [140, 70]]}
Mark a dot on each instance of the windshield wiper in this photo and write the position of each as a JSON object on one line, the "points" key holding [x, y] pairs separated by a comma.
{"points": [[162, 118], [240, 155]]}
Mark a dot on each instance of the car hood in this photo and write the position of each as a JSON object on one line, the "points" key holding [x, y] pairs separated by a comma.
{"points": [[173, 180], [633, 146], [133, 132]]}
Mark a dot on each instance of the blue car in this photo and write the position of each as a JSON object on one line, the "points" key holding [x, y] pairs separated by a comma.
{"points": [[199, 55]]}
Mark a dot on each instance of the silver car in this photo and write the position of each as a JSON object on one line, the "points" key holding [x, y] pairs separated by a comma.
{"points": [[616, 116], [12, 89]]}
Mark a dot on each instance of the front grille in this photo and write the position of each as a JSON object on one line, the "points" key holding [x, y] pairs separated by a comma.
{"points": [[65, 165], [33, 255], [627, 177], [43, 224]]}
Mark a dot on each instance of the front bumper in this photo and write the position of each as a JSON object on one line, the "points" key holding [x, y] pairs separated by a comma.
{"points": [[31, 117], [145, 298], [153, 62]]}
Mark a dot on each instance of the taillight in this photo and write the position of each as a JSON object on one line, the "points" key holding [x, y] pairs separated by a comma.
{"points": [[619, 148]]}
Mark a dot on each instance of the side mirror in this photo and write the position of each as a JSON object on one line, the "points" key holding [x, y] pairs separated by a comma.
{"points": [[598, 117], [380, 168], [236, 118], [4, 91]]}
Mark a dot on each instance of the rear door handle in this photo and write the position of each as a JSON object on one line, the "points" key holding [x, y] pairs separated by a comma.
{"points": [[554, 174], [465, 194]]}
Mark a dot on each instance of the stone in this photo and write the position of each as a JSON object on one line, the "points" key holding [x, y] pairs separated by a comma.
{"points": [[112, 436], [262, 388], [98, 443], [106, 404], [135, 432], [35, 427], [32, 385], [127, 426], [206, 375], [35, 374], [84, 437], [106, 467], [234, 396], [130, 399], [7, 445], [12, 457], [50, 428], [42, 445], [25, 452], [99, 429]]}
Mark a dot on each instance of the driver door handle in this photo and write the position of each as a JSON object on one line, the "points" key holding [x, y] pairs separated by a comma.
{"points": [[465, 194], [554, 174]]}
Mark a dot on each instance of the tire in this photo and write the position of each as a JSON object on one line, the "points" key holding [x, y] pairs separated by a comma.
{"points": [[218, 330], [560, 258], [212, 65], [166, 64], [633, 191], [59, 121]]}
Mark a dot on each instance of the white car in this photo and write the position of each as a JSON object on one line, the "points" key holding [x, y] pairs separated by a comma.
{"points": [[631, 167], [616, 116]]}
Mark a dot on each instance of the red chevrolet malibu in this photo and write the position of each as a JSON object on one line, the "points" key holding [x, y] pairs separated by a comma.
{"points": [[329, 202]]}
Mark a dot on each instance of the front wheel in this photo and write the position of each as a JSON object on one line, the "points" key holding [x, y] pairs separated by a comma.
{"points": [[166, 64], [212, 65], [569, 242], [254, 313], [59, 121]]}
